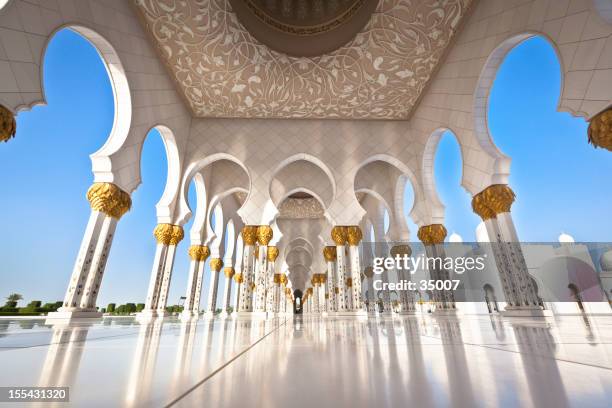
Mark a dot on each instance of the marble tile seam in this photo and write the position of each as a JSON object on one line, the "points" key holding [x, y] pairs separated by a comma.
{"points": [[223, 366]]}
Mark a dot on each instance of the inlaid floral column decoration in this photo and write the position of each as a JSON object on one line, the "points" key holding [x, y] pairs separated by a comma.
{"points": [[198, 255], [271, 256], [249, 239], [432, 236], [354, 236], [264, 235], [493, 206], [108, 204], [338, 235], [215, 267], [329, 253], [406, 297]]}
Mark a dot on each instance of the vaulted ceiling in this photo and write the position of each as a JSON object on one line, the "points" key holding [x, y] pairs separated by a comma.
{"points": [[225, 71]]}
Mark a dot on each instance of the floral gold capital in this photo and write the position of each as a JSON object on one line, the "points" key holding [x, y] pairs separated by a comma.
{"points": [[354, 235], [600, 130], [238, 278], [264, 234], [8, 124], [168, 234], [272, 253], [493, 200], [198, 252], [339, 235], [400, 250], [229, 272], [329, 253], [432, 234], [109, 199], [216, 264], [249, 234]]}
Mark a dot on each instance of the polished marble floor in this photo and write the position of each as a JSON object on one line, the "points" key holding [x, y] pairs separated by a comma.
{"points": [[419, 361]]}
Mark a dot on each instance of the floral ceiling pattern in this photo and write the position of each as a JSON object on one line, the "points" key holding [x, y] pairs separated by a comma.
{"points": [[224, 71]]}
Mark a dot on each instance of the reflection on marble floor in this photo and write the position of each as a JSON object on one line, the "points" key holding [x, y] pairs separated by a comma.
{"points": [[420, 361]]}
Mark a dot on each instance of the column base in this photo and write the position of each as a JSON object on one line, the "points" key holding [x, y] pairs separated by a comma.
{"points": [[251, 315], [74, 314], [526, 312], [444, 312], [351, 313], [147, 315], [407, 313], [187, 315]]}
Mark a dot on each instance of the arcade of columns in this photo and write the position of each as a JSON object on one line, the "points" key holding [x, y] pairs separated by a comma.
{"points": [[332, 161], [263, 289]]}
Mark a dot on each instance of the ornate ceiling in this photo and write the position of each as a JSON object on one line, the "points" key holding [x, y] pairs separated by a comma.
{"points": [[224, 71]]}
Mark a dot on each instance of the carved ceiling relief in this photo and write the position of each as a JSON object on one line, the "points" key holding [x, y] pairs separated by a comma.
{"points": [[225, 72]]}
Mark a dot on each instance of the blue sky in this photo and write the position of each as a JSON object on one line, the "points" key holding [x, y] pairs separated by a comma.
{"points": [[562, 183]]}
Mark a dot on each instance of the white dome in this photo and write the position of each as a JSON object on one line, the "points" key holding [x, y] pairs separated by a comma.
{"points": [[566, 238], [606, 261], [455, 238]]}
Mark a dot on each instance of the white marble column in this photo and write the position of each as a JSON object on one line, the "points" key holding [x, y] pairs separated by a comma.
{"points": [[315, 293], [198, 255], [211, 305], [108, 204], [329, 253], [167, 236], [249, 238], [338, 235], [264, 235], [164, 289], [354, 236], [432, 236], [493, 205], [406, 297], [371, 293], [229, 273], [322, 293], [272, 254]]}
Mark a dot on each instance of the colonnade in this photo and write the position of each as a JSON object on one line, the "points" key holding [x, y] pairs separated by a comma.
{"points": [[263, 290]]}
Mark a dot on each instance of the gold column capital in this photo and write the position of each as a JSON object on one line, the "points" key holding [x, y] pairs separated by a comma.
{"points": [[354, 235], [229, 272], [272, 253], [198, 252], [109, 199], [432, 234], [400, 250], [339, 235], [349, 282], [284, 279], [264, 234], [277, 278], [369, 271], [238, 278], [600, 130], [493, 200], [249, 234], [168, 234], [329, 253], [8, 124], [216, 264]]}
